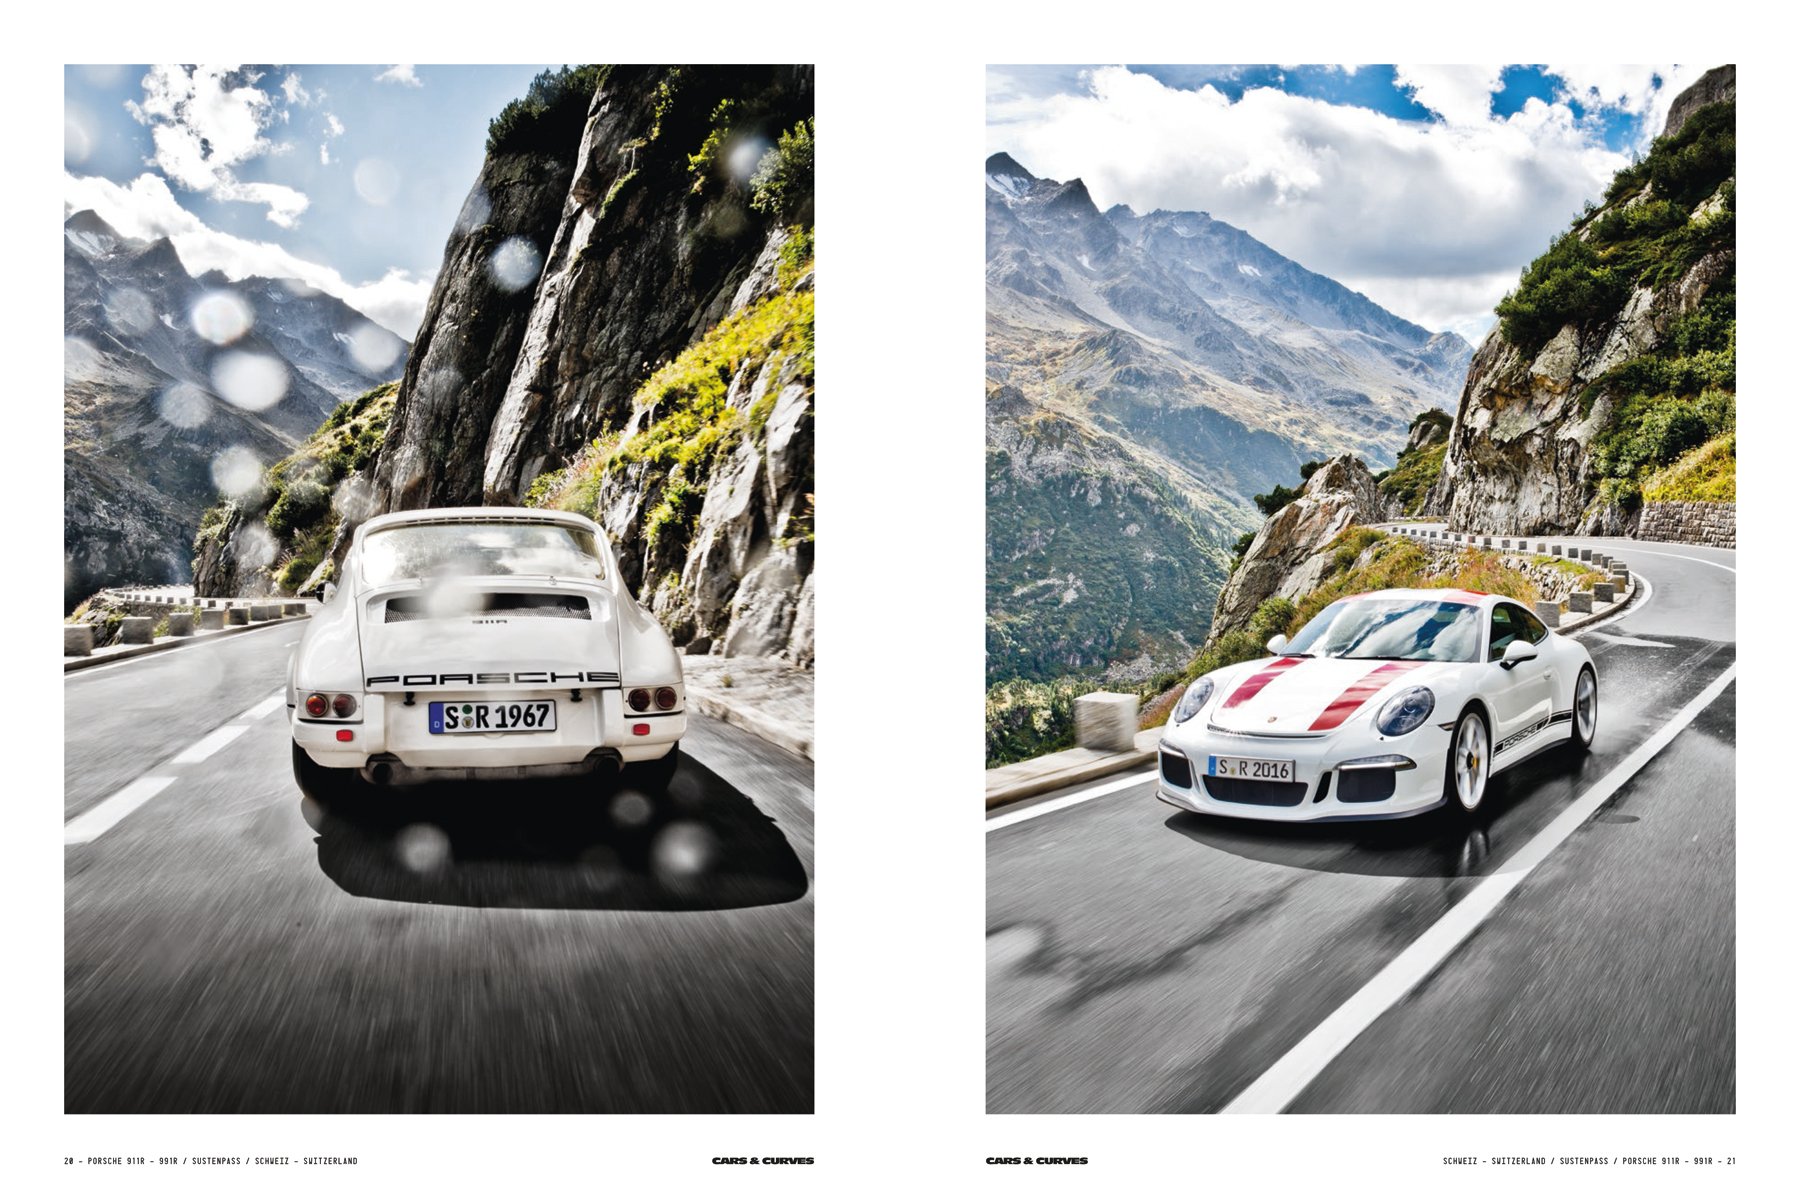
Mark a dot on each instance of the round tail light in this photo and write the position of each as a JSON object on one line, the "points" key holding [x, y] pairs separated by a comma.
{"points": [[639, 698], [317, 705], [665, 697], [343, 705]]}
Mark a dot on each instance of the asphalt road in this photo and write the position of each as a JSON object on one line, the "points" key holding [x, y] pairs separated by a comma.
{"points": [[470, 949], [1142, 959]]}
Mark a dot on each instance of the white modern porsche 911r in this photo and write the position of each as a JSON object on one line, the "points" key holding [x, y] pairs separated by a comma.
{"points": [[481, 643], [1383, 705]]}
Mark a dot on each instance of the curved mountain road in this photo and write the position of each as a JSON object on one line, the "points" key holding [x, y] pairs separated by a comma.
{"points": [[514, 949], [1142, 959]]}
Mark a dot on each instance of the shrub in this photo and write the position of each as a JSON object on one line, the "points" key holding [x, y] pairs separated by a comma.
{"points": [[1274, 501], [783, 182], [549, 116]]}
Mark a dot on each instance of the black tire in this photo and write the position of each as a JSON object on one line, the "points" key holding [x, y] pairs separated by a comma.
{"points": [[1581, 739], [655, 776], [1471, 724], [329, 791]]}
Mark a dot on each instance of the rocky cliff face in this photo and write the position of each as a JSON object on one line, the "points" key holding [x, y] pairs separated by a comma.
{"points": [[1294, 549], [623, 326], [1616, 353]]}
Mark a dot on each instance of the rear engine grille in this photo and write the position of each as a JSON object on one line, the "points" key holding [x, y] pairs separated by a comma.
{"points": [[489, 605], [1176, 770], [1254, 791], [1365, 787]]}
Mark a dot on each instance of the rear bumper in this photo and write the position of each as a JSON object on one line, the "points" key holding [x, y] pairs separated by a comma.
{"points": [[1322, 790], [398, 734]]}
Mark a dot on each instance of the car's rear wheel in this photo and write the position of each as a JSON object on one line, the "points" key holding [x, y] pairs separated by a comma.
{"points": [[1587, 711], [328, 791], [653, 776], [1466, 770]]}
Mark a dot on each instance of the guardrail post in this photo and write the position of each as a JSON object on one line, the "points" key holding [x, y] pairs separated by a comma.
{"points": [[78, 641], [181, 624], [1603, 593], [1581, 602], [237, 616], [135, 631], [212, 618], [1549, 612], [1106, 721], [1585, 554]]}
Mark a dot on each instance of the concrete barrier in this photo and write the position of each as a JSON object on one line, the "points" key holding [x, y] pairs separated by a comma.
{"points": [[1602, 561], [1549, 612], [212, 618], [1585, 554], [135, 631], [1487, 543], [294, 608], [1540, 548], [1506, 543], [1621, 581], [1581, 602], [78, 641], [212, 604], [181, 624], [1106, 721], [237, 616], [1603, 593]]}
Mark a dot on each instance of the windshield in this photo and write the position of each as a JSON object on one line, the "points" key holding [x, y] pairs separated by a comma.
{"points": [[452, 550], [1426, 630]]}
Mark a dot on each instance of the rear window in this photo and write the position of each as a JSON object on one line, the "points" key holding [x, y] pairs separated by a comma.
{"points": [[458, 550]]}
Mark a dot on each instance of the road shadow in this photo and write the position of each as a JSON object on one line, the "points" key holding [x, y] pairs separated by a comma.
{"points": [[564, 844]]}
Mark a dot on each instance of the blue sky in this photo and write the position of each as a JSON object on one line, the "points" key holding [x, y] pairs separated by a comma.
{"points": [[1426, 187], [347, 176]]}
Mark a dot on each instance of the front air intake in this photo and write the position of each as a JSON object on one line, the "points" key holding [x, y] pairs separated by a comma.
{"points": [[1254, 791], [1176, 770], [492, 606]]}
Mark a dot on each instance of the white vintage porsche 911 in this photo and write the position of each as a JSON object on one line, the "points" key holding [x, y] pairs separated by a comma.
{"points": [[481, 643], [1383, 705]]}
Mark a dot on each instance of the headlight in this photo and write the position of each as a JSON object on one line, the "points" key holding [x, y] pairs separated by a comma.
{"points": [[1193, 700], [1406, 711]]}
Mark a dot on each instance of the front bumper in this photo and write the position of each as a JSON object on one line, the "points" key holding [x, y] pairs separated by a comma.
{"points": [[391, 730], [1323, 788]]}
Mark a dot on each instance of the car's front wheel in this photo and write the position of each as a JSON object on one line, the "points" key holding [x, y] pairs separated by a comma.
{"points": [[1466, 771], [328, 791], [1586, 717]]}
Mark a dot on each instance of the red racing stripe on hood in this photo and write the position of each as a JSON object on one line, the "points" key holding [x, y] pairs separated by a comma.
{"points": [[1353, 697], [1247, 690]]}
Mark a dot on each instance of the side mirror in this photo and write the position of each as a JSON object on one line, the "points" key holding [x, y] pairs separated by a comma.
{"points": [[1517, 651], [1278, 643], [327, 592]]}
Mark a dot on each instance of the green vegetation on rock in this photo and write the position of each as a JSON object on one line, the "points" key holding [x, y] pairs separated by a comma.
{"points": [[548, 118], [1635, 239]]}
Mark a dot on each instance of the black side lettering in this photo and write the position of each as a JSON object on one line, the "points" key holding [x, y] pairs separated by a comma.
{"points": [[375, 679], [529, 677], [493, 677], [456, 679], [416, 680]]}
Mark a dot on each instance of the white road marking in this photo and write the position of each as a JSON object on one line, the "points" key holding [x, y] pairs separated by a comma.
{"points": [[115, 808], [1062, 802], [211, 744], [263, 708], [1619, 639], [1282, 1083]]}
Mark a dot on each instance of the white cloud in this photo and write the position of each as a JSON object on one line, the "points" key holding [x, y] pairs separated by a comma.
{"points": [[1630, 89], [1435, 218], [146, 208], [333, 126], [324, 154], [205, 121], [1462, 95], [290, 87], [402, 74]]}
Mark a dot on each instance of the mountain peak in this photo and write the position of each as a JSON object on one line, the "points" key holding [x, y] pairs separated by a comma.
{"points": [[89, 221], [1004, 164]]}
